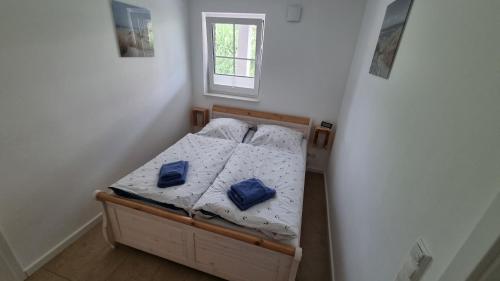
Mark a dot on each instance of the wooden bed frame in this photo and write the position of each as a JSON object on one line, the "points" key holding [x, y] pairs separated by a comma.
{"points": [[220, 251]]}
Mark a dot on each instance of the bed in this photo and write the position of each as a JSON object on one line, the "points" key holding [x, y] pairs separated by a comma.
{"points": [[214, 246]]}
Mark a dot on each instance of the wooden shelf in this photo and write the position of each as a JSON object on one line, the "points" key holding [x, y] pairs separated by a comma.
{"points": [[322, 131], [199, 116]]}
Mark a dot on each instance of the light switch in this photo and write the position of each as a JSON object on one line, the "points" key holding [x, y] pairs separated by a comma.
{"points": [[415, 263], [293, 13]]}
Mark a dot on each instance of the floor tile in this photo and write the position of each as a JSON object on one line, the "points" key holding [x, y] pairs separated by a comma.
{"points": [[138, 266], [315, 264], [89, 258], [44, 275]]}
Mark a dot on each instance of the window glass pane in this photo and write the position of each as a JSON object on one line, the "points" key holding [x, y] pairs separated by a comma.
{"points": [[224, 40], [245, 67], [224, 66], [253, 42], [245, 37], [252, 69]]}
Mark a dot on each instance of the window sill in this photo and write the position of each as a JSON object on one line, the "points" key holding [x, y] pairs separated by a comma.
{"points": [[231, 97]]}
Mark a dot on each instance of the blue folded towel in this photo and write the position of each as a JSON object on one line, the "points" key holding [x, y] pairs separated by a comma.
{"points": [[173, 174], [249, 192]]}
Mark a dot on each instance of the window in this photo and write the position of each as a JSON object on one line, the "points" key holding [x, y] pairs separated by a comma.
{"points": [[233, 54]]}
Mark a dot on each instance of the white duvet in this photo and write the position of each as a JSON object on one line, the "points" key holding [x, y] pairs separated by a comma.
{"points": [[280, 217], [206, 156]]}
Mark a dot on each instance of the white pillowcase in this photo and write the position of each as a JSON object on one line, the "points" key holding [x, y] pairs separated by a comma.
{"points": [[225, 128], [278, 137]]}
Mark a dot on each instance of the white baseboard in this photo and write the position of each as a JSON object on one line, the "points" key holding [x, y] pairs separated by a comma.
{"points": [[32, 268], [330, 242]]}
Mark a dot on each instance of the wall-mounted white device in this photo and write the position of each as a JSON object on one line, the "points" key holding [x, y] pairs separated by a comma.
{"points": [[293, 13], [416, 263]]}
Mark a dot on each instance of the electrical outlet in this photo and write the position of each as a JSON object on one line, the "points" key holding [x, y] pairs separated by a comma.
{"points": [[415, 263]]}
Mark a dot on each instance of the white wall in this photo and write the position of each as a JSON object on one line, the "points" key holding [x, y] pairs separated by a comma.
{"points": [[417, 155], [479, 251], [305, 65], [74, 116], [9, 266]]}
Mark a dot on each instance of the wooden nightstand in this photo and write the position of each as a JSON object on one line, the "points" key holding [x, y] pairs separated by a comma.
{"points": [[199, 118], [320, 131], [319, 149]]}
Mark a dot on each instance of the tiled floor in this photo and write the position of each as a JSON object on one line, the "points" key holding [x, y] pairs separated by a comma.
{"points": [[91, 259]]}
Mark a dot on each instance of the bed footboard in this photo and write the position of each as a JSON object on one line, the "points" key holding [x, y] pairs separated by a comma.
{"points": [[216, 250]]}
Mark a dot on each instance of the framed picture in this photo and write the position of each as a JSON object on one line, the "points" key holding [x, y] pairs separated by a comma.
{"points": [[392, 30], [134, 30]]}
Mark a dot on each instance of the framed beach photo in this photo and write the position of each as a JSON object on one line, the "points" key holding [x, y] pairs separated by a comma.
{"points": [[392, 30], [134, 30]]}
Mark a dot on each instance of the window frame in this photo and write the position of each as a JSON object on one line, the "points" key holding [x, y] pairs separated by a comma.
{"points": [[209, 21]]}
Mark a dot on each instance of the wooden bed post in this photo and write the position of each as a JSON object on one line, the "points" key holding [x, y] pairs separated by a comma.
{"points": [[295, 264], [107, 232]]}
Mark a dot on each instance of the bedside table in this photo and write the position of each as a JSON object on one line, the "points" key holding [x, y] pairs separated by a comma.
{"points": [[319, 148], [324, 133], [199, 118]]}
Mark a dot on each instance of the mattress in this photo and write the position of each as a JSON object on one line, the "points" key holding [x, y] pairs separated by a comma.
{"points": [[206, 156], [278, 218]]}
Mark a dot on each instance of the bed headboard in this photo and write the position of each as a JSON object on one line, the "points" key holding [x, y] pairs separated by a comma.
{"points": [[301, 124]]}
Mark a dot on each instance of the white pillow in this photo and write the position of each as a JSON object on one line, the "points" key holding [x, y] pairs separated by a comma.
{"points": [[278, 137], [225, 128]]}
